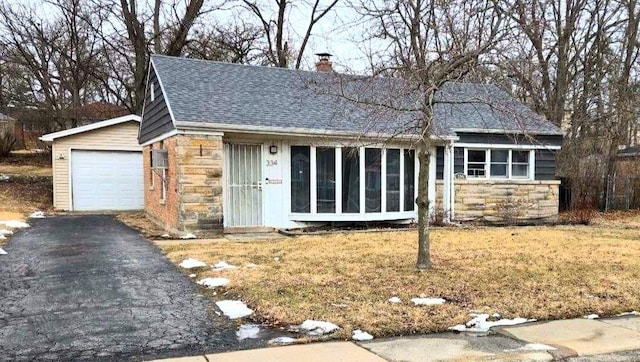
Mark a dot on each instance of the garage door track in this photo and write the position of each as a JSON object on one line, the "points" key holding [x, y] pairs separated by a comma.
{"points": [[90, 288]]}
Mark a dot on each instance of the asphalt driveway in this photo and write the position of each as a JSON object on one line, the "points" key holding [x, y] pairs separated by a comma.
{"points": [[90, 288]]}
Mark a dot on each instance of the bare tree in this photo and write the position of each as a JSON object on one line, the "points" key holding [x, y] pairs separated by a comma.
{"points": [[278, 51], [432, 43]]}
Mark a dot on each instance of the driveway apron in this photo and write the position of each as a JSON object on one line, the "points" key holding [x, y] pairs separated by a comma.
{"points": [[90, 288]]}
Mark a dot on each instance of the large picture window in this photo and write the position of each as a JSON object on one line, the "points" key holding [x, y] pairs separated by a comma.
{"points": [[300, 179], [393, 180], [326, 179], [373, 179], [350, 180], [409, 179]]}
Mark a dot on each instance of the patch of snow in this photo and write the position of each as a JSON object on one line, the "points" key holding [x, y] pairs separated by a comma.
{"points": [[536, 347], [2, 252], [234, 308], [2, 237], [395, 300], [276, 259], [4, 177], [5, 232], [37, 215], [628, 313], [318, 328], [592, 316], [427, 301], [213, 282], [247, 331], [281, 341], [192, 263], [192, 275], [479, 323], [14, 224], [251, 265], [222, 265], [188, 236], [359, 335], [166, 236]]}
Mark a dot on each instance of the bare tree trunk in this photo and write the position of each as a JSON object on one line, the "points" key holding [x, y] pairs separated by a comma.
{"points": [[424, 158]]}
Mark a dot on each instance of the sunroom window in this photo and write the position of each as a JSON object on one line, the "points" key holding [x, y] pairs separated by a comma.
{"points": [[352, 180]]}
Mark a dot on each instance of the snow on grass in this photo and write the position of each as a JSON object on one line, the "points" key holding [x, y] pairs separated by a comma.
{"points": [[234, 308], [193, 275], [427, 301], [480, 323], [166, 236], [592, 316], [188, 236], [2, 252], [282, 341], [628, 313], [213, 282], [192, 263], [14, 224], [318, 328], [37, 215], [395, 300], [248, 331], [2, 237], [359, 335], [251, 265], [536, 347], [222, 265], [4, 177], [5, 232]]}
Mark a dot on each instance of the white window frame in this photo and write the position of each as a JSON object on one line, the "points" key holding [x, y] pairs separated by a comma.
{"points": [[507, 164], [362, 215], [152, 91], [510, 163]]}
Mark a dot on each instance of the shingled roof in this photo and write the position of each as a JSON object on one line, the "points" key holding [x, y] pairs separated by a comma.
{"points": [[210, 93]]}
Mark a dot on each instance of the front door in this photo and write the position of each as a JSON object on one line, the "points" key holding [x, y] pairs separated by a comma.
{"points": [[244, 185]]}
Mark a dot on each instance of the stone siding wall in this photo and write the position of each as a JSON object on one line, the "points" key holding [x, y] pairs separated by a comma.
{"points": [[495, 200], [194, 196]]}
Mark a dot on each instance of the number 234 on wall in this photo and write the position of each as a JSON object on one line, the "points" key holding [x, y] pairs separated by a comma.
{"points": [[272, 163]]}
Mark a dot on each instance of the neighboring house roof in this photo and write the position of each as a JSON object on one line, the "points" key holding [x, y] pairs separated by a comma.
{"points": [[90, 127], [208, 94]]}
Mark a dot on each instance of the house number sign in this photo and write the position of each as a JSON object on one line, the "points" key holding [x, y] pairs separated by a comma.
{"points": [[271, 163]]}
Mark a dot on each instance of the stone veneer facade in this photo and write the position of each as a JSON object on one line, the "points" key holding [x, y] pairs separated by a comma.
{"points": [[193, 200], [503, 200]]}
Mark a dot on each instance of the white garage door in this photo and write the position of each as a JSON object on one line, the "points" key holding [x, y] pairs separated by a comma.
{"points": [[106, 180]]}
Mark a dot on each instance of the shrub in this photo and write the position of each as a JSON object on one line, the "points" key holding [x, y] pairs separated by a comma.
{"points": [[582, 210], [438, 217], [7, 141], [510, 209]]}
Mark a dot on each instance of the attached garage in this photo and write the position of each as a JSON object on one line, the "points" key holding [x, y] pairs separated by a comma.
{"points": [[98, 167]]}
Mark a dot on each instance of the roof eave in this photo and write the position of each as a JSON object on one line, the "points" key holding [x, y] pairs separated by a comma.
{"points": [[50, 137], [301, 132]]}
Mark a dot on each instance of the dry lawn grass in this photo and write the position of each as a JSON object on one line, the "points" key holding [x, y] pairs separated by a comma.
{"points": [[26, 164], [533, 272], [29, 187]]}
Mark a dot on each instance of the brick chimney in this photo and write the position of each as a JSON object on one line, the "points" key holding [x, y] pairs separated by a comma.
{"points": [[324, 64]]}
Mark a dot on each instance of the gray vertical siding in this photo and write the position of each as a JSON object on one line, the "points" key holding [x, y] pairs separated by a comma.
{"points": [[156, 119], [495, 138], [545, 168]]}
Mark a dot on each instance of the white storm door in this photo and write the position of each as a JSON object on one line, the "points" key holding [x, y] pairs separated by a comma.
{"points": [[244, 185]]}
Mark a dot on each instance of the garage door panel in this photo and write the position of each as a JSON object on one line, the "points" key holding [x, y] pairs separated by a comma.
{"points": [[107, 180]]}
